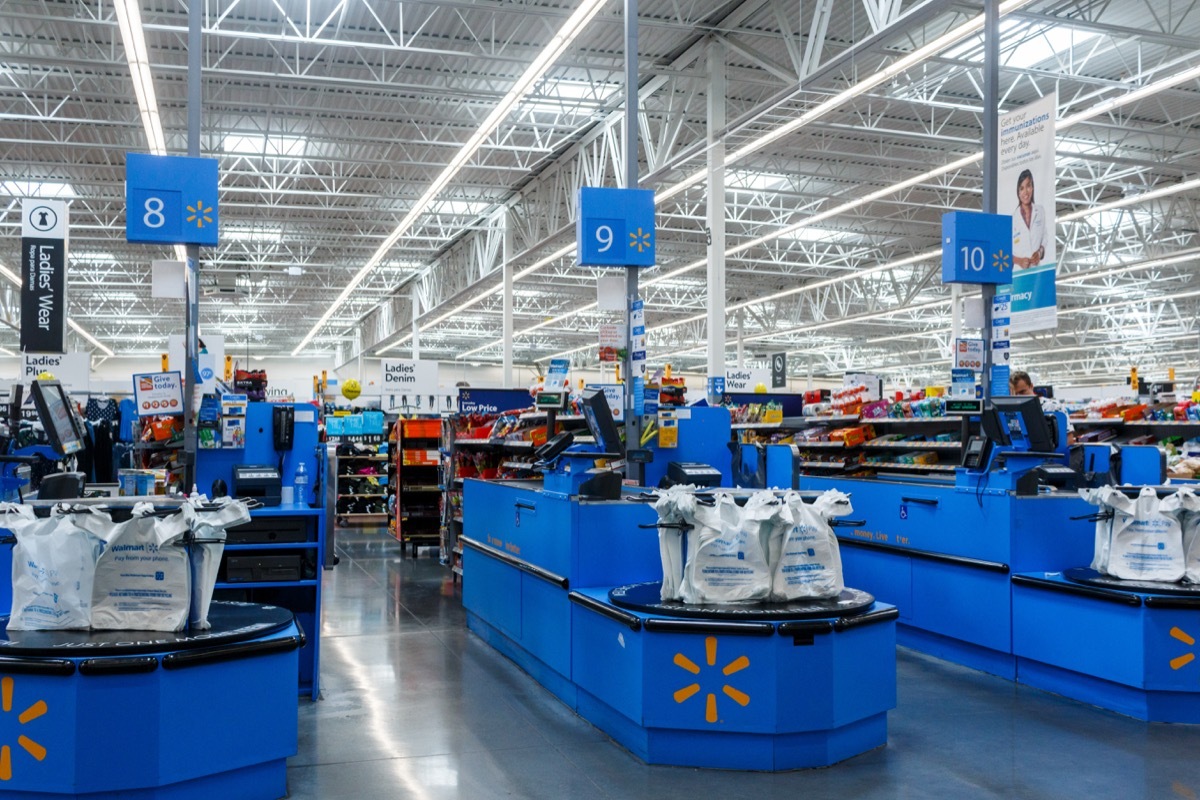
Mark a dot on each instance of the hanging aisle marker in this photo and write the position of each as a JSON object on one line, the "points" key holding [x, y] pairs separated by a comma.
{"points": [[171, 199], [615, 228]]}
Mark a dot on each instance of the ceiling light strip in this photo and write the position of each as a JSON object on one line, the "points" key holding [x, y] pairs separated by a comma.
{"points": [[555, 48]]}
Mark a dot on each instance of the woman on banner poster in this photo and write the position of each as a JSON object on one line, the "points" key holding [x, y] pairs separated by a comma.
{"points": [[1029, 226]]}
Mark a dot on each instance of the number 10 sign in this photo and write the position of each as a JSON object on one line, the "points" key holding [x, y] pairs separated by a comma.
{"points": [[171, 199], [615, 228], [976, 248]]}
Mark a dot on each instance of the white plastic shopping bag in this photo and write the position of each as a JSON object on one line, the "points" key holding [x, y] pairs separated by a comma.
{"points": [[1147, 538], [729, 564], [806, 562], [208, 531], [1189, 504], [54, 564], [675, 506], [143, 578], [1102, 548]]}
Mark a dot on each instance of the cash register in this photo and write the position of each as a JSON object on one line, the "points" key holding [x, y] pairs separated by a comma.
{"points": [[261, 482]]}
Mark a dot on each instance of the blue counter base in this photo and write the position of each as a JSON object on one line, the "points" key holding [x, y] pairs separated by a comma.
{"points": [[1179, 707], [257, 781], [735, 751], [1130, 652], [984, 659], [558, 685]]}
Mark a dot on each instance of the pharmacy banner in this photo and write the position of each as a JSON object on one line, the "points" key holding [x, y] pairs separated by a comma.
{"points": [[1026, 190]]}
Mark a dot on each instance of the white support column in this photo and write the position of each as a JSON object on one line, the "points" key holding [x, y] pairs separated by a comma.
{"points": [[716, 208], [507, 319], [741, 344], [955, 312], [416, 329]]}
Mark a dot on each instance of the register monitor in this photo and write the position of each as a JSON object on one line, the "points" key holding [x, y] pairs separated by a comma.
{"points": [[1019, 423], [599, 418], [54, 410]]}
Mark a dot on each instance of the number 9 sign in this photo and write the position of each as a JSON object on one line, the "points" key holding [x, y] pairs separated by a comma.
{"points": [[615, 227]]}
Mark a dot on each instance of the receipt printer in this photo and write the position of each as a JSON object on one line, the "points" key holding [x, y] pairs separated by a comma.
{"points": [[689, 472], [260, 482]]}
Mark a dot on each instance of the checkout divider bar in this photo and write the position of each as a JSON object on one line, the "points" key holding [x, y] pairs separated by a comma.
{"points": [[1092, 592], [960, 561], [632, 621], [513, 561]]}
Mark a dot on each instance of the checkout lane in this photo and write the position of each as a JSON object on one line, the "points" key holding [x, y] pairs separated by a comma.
{"points": [[548, 567]]}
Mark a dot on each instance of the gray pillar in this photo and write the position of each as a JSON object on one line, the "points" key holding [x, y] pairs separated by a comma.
{"points": [[507, 321], [991, 118], [191, 338], [416, 329], [633, 422], [716, 208]]}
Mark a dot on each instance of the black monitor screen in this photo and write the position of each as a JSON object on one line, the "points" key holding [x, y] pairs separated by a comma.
{"points": [[1020, 421], [599, 418], [54, 409]]}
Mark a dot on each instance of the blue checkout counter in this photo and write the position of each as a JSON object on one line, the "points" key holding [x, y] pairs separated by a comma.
{"points": [[1128, 646], [944, 552], [568, 589], [294, 532], [168, 716]]}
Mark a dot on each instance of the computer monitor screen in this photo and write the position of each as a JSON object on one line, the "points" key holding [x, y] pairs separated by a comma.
{"points": [[600, 422], [1020, 422], [54, 410]]}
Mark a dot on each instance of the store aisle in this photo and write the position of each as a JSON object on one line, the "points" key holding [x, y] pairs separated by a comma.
{"points": [[414, 706]]}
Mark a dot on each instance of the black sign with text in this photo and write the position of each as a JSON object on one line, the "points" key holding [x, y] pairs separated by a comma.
{"points": [[43, 295], [779, 371]]}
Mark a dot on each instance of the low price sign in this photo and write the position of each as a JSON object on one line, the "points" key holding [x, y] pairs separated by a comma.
{"points": [[158, 393]]}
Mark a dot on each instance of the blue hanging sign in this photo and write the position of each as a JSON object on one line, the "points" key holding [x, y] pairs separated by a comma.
{"points": [[615, 228], [976, 247], [171, 199]]}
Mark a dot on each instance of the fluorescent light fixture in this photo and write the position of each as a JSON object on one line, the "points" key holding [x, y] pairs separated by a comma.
{"points": [[49, 190], [1133, 199], [534, 72], [75, 326], [460, 208], [129, 19]]}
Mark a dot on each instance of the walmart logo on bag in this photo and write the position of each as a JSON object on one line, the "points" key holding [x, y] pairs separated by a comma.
{"points": [[24, 742], [710, 703]]}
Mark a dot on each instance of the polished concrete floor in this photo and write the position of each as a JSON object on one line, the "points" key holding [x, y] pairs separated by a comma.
{"points": [[414, 706]]}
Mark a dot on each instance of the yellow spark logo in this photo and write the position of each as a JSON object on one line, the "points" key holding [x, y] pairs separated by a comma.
{"points": [[200, 214], [1181, 661], [1001, 261], [640, 239], [710, 703], [28, 715]]}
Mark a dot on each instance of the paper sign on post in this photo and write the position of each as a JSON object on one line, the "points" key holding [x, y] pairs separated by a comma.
{"points": [[158, 393]]}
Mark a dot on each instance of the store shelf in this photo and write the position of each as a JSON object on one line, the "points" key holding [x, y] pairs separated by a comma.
{"points": [[526, 465], [1164, 423], [457, 518], [910, 467], [839, 418], [1109, 422], [821, 445], [421, 488], [516, 445], [374, 494], [161, 446], [265, 584], [363, 458], [530, 415], [431, 515], [273, 546], [823, 464], [362, 516], [457, 571], [912, 421], [876, 445]]}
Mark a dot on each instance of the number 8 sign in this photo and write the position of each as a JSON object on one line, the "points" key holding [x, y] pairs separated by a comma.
{"points": [[171, 199]]}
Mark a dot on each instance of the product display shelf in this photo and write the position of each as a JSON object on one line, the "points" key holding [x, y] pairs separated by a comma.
{"points": [[418, 465], [359, 501], [472, 456]]}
